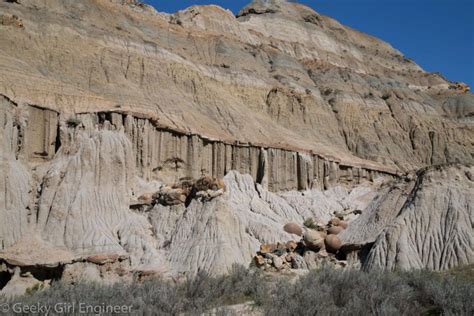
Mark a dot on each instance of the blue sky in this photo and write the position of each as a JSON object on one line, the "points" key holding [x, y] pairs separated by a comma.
{"points": [[437, 34]]}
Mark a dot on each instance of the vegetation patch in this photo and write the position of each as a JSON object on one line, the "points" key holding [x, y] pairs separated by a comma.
{"points": [[319, 292]]}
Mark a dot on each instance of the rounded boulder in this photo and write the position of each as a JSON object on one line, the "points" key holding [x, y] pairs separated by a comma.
{"points": [[335, 230], [333, 243], [314, 240], [293, 228], [335, 221]]}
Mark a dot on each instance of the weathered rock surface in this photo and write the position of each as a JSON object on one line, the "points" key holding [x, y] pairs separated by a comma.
{"points": [[333, 243], [229, 229], [309, 82], [434, 228], [302, 117], [314, 240], [293, 228], [32, 251], [80, 206], [15, 180], [425, 222], [380, 213], [75, 206]]}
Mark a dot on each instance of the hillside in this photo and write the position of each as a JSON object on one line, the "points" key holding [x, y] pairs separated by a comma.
{"points": [[136, 143]]}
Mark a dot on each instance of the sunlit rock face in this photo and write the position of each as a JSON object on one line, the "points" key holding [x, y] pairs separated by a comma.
{"points": [[279, 75], [111, 113]]}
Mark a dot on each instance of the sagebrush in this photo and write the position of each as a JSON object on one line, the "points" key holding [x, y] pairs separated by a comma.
{"points": [[320, 292]]}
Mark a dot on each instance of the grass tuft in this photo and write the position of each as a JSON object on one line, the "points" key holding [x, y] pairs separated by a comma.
{"points": [[320, 292]]}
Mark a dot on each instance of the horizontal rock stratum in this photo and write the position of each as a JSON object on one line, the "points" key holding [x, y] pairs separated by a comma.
{"points": [[135, 142], [280, 75]]}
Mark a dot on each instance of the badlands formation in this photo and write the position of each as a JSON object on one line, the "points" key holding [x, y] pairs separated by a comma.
{"points": [[136, 143]]}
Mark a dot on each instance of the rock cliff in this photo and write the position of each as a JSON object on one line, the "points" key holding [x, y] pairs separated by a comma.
{"points": [[112, 113], [279, 74]]}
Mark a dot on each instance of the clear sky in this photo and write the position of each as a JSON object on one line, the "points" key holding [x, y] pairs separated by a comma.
{"points": [[437, 34]]}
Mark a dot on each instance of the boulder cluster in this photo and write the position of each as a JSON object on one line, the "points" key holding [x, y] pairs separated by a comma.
{"points": [[319, 244], [204, 188]]}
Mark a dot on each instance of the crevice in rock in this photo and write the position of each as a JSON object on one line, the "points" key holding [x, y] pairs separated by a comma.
{"points": [[45, 273], [313, 19], [124, 119], [411, 135], [190, 197], [432, 141], [57, 142], [341, 255], [260, 169], [392, 114], [105, 116], [5, 277], [299, 173], [364, 253]]}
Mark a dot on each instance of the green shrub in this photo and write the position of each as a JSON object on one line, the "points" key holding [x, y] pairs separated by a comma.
{"points": [[320, 292], [351, 292], [35, 288], [309, 222]]}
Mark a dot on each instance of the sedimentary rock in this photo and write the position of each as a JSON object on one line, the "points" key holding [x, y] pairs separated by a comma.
{"points": [[15, 180], [212, 235], [343, 224], [314, 239], [334, 230], [380, 213], [301, 116], [333, 243], [83, 204], [308, 82], [434, 228], [422, 222], [335, 221], [293, 228]]}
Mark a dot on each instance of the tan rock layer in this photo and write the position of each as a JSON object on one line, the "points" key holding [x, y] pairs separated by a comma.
{"points": [[168, 155], [286, 78]]}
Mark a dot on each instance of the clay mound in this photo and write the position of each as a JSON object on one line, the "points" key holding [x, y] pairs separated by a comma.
{"points": [[379, 213], [84, 203], [434, 229], [213, 235]]}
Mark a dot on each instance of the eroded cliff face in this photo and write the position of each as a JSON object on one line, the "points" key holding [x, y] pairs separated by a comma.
{"points": [[423, 223], [280, 75], [79, 208], [105, 103], [434, 228], [78, 201]]}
